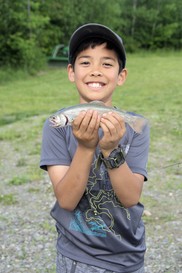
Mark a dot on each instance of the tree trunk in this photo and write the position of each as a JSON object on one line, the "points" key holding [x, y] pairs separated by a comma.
{"points": [[134, 17]]}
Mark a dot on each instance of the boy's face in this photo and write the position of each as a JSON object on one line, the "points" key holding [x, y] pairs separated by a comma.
{"points": [[96, 74]]}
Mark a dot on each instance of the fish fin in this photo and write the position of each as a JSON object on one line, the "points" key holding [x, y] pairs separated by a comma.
{"points": [[98, 102]]}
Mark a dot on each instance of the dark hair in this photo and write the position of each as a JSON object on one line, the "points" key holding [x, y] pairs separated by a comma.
{"points": [[93, 42]]}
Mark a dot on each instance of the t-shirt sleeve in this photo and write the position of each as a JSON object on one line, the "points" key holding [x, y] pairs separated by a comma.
{"points": [[54, 147], [137, 156]]}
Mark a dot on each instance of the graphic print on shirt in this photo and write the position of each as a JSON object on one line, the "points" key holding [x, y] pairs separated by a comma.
{"points": [[94, 215]]}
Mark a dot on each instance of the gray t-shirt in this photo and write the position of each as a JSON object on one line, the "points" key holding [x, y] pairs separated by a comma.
{"points": [[100, 231]]}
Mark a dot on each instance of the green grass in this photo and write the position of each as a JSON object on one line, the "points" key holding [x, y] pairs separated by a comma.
{"points": [[8, 199], [47, 226], [19, 180], [44, 93]]}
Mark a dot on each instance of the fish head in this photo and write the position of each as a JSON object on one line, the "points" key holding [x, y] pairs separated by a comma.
{"points": [[58, 120]]}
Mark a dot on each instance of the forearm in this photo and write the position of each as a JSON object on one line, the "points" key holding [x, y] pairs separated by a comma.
{"points": [[126, 185], [71, 187]]}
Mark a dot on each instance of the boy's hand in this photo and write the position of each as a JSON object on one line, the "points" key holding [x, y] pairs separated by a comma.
{"points": [[85, 128], [113, 127]]}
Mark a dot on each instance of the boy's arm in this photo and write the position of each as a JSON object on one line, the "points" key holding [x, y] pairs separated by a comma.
{"points": [[126, 184], [69, 182]]}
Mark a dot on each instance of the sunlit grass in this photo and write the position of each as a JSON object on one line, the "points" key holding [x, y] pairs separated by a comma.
{"points": [[43, 93]]}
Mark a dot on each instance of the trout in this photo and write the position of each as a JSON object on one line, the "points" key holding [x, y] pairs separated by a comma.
{"points": [[65, 116]]}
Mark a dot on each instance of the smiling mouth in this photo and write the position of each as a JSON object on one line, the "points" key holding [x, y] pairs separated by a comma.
{"points": [[95, 85]]}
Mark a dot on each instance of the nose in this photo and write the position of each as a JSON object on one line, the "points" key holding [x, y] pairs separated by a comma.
{"points": [[95, 70], [96, 73]]}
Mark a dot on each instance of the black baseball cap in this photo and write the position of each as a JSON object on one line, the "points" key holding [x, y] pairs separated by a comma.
{"points": [[93, 30]]}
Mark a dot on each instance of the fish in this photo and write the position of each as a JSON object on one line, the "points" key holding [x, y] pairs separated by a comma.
{"points": [[66, 116]]}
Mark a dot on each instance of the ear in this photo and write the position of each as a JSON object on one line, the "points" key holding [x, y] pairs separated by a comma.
{"points": [[71, 74], [122, 76]]}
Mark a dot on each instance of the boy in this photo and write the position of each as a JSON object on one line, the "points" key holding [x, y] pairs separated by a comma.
{"points": [[97, 212]]}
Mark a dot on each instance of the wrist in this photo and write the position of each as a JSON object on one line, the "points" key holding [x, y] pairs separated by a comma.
{"points": [[86, 149], [106, 153], [114, 160]]}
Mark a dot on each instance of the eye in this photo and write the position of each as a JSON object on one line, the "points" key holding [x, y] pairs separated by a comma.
{"points": [[107, 64], [85, 63]]}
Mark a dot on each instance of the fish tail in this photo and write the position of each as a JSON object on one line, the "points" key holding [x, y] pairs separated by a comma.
{"points": [[138, 124]]}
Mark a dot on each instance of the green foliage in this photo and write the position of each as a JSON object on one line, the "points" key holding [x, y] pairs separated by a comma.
{"points": [[151, 24], [30, 29], [66, 16], [19, 32], [31, 57]]}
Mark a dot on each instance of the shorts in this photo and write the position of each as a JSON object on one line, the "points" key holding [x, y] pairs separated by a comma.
{"points": [[66, 265]]}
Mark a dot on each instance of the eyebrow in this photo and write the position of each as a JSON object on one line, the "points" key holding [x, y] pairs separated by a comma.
{"points": [[103, 58], [84, 56]]}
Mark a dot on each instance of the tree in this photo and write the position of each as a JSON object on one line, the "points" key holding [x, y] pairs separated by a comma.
{"points": [[30, 29], [20, 26], [151, 24], [66, 16]]}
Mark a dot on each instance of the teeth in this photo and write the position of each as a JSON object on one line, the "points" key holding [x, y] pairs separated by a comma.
{"points": [[95, 85]]}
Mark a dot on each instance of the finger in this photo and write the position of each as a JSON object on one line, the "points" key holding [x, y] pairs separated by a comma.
{"points": [[78, 120], [109, 122], [105, 128], [94, 123], [89, 122], [113, 117], [120, 124], [114, 122], [117, 117], [109, 141], [87, 119]]}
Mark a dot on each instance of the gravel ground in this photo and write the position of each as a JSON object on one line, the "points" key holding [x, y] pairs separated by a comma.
{"points": [[27, 232]]}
